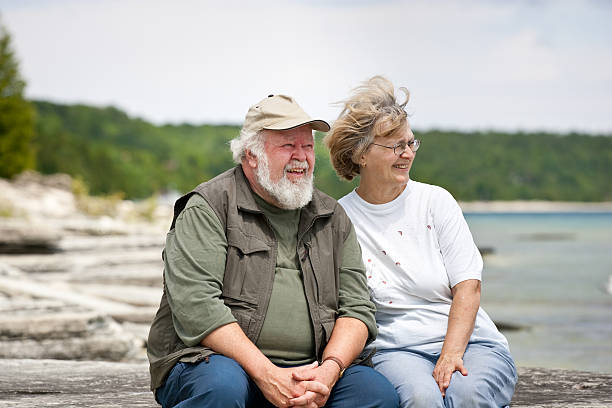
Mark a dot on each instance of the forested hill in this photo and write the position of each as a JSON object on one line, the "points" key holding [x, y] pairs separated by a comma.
{"points": [[112, 152]]}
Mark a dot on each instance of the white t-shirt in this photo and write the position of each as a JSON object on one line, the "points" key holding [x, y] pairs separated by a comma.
{"points": [[415, 248]]}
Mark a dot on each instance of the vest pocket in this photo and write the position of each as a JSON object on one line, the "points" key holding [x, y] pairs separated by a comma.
{"points": [[247, 262]]}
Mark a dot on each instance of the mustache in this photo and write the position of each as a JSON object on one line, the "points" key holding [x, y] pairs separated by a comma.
{"points": [[296, 164]]}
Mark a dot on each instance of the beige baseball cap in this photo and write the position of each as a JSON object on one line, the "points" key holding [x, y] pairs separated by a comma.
{"points": [[279, 112]]}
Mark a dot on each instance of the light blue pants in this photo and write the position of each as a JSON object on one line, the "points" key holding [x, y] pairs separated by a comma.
{"points": [[490, 381]]}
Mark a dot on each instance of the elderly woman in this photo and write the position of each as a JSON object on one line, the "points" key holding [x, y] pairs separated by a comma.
{"points": [[435, 344]]}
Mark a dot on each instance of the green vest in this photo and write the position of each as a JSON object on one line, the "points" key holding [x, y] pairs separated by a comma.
{"points": [[250, 268]]}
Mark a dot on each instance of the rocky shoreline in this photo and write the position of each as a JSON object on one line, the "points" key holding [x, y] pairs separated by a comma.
{"points": [[80, 281], [77, 282]]}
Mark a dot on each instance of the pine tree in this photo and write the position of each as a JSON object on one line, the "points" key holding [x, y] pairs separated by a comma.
{"points": [[16, 114]]}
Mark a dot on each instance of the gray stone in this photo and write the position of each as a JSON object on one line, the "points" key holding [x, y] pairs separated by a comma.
{"points": [[22, 237], [36, 383], [562, 388], [70, 336], [57, 181]]}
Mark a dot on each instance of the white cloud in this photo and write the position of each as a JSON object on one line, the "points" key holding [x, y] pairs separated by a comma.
{"points": [[469, 64]]}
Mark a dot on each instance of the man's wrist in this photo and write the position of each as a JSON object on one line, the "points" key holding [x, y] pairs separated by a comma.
{"points": [[336, 361]]}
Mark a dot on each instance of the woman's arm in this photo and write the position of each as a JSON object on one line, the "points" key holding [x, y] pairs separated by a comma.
{"points": [[466, 300]]}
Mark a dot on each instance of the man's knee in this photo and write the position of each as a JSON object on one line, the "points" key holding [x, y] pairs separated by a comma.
{"points": [[364, 387], [218, 383], [382, 392], [219, 395]]}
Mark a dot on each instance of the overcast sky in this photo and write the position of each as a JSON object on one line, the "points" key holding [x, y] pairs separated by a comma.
{"points": [[507, 65]]}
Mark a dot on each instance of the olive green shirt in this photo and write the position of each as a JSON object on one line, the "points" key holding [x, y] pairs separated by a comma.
{"points": [[195, 257], [286, 336]]}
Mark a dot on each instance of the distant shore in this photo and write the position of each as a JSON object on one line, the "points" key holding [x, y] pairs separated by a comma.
{"points": [[525, 206]]}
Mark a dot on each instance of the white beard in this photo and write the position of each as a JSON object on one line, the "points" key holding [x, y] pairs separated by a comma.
{"points": [[288, 194]]}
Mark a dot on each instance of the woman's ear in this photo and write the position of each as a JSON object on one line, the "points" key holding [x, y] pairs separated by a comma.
{"points": [[359, 160], [362, 160]]}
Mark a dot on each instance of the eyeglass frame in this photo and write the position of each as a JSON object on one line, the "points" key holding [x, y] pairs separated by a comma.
{"points": [[414, 145]]}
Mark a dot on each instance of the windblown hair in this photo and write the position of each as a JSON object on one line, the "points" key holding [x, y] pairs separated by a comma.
{"points": [[371, 111]]}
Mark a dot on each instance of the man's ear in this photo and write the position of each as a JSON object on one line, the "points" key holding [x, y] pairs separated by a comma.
{"points": [[251, 159]]}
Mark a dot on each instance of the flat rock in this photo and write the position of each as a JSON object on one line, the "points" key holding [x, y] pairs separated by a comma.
{"points": [[539, 387], [23, 237], [36, 383], [128, 294], [83, 261], [70, 336]]}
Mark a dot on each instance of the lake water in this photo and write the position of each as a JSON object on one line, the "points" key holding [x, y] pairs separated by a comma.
{"points": [[550, 273]]}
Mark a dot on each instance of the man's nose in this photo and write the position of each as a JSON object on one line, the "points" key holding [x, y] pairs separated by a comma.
{"points": [[299, 153]]}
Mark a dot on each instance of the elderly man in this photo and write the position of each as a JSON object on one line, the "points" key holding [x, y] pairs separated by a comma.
{"points": [[265, 298]]}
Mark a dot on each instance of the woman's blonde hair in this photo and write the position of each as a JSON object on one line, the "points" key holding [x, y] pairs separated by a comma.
{"points": [[371, 111]]}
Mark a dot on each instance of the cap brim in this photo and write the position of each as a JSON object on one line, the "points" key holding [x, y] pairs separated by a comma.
{"points": [[316, 124]]}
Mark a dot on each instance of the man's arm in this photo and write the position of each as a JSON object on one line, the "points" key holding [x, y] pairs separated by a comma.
{"points": [[277, 384], [194, 266]]}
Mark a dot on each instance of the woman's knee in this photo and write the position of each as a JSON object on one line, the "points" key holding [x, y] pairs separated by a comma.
{"points": [[422, 398], [419, 392], [468, 392]]}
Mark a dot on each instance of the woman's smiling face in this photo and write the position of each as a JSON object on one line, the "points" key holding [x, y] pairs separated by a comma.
{"points": [[383, 166]]}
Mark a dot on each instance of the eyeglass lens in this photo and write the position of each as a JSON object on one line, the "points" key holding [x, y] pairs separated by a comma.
{"points": [[401, 147]]}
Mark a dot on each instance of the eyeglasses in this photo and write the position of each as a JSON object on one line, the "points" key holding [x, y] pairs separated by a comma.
{"points": [[401, 147]]}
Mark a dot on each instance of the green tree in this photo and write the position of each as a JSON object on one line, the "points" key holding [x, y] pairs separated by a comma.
{"points": [[16, 114]]}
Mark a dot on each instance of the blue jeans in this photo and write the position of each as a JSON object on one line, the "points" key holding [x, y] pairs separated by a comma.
{"points": [[221, 382], [490, 381]]}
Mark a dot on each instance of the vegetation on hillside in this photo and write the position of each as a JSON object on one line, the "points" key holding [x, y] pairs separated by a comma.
{"points": [[112, 153], [502, 166], [16, 114]]}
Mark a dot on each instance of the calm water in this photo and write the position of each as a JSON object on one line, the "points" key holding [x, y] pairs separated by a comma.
{"points": [[550, 273]]}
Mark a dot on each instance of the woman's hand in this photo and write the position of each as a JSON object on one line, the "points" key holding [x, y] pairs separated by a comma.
{"points": [[445, 367]]}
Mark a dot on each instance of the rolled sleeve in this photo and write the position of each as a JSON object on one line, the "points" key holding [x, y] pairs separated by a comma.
{"points": [[353, 295], [194, 263]]}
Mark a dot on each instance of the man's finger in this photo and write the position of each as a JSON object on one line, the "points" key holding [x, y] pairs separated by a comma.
{"points": [[303, 400], [303, 375], [314, 364], [316, 386]]}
